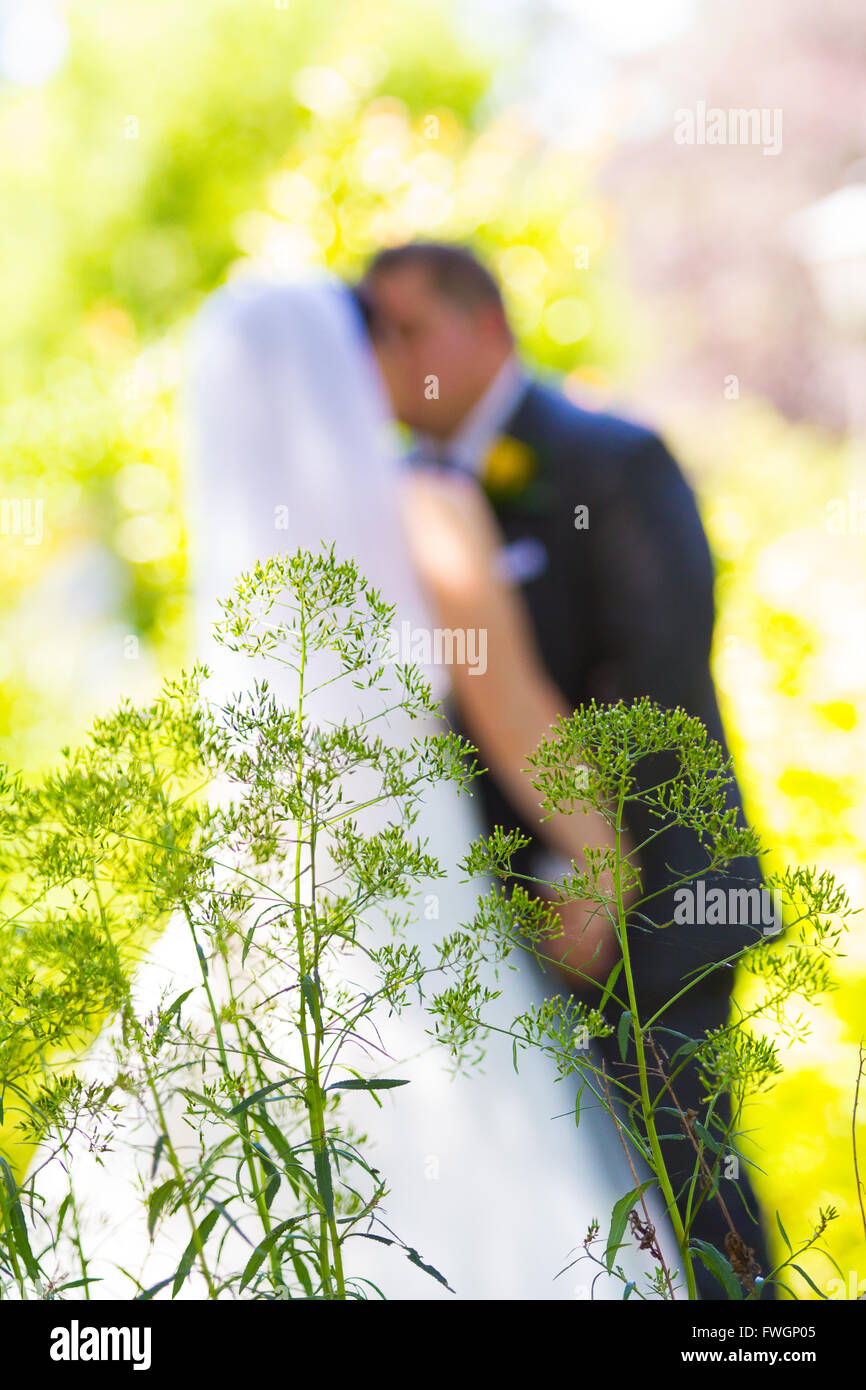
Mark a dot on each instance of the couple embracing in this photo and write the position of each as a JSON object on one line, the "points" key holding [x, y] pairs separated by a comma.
{"points": [[572, 541]]}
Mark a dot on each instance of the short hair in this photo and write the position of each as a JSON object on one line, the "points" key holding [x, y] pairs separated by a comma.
{"points": [[455, 272]]}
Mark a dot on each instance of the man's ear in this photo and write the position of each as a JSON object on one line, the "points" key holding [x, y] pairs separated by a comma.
{"points": [[494, 323]]}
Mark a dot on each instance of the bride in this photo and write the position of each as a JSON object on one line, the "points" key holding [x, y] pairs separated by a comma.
{"points": [[489, 1178]]}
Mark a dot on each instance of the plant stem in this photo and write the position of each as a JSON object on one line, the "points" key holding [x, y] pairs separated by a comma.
{"points": [[243, 1119], [312, 1089], [255, 1165], [174, 1161], [646, 1105]]}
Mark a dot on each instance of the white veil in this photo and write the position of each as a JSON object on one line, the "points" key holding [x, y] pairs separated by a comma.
{"points": [[292, 445]]}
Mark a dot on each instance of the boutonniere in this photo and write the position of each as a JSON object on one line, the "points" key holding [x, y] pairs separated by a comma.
{"points": [[508, 468]]}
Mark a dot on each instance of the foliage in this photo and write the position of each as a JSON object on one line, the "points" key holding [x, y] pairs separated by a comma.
{"points": [[274, 883], [280, 878], [588, 762]]}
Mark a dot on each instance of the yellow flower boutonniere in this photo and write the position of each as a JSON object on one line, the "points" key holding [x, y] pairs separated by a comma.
{"points": [[508, 467]]}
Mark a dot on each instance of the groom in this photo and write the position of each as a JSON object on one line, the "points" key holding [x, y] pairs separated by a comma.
{"points": [[603, 536]]}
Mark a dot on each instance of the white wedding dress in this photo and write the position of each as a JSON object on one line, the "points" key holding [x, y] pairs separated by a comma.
{"points": [[489, 1179]]}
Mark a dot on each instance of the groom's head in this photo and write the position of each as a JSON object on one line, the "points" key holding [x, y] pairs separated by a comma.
{"points": [[439, 330]]}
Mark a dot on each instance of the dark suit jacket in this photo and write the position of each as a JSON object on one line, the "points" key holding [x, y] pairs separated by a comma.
{"points": [[622, 609]]}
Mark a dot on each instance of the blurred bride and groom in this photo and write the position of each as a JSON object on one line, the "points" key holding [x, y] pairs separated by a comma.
{"points": [[571, 540]]}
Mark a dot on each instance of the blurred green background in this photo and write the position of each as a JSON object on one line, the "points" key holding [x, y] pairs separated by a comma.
{"points": [[149, 151]]}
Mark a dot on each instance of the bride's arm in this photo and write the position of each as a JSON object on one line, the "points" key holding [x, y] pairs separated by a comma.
{"points": [[510, 705]]}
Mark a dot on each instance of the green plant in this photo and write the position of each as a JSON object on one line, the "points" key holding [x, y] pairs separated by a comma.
{"points": [[123, 832], [275, 881], [588, 762]]}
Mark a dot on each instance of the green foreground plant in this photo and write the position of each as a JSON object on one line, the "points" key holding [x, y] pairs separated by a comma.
{"points": [[278, 882], [588, 763]]}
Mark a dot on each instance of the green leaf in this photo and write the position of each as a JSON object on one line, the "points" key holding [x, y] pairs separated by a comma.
{"points": [[61, 1215], [226, 1214], [76, 1283], [577, 1105], [15, 1222], [784, 1233], [303, 1274], [609, 983], [264, 1249], [309, 992], [622, 1032], [293, 1169], [323, 1181], [719, 1267], [156, 1202], [164, 1022], [708, 1138], [415, 1259], [205, 1101], [364, 1085], [248, 941], [256, 1096], [411, 1255], [190, 1254], [157, 1150], [812, 1286], [619, 1221], [154, 1289], [687, 1048]]}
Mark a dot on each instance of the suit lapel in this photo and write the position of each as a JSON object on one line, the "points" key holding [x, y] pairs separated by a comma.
{"points": [[546, 555]]}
